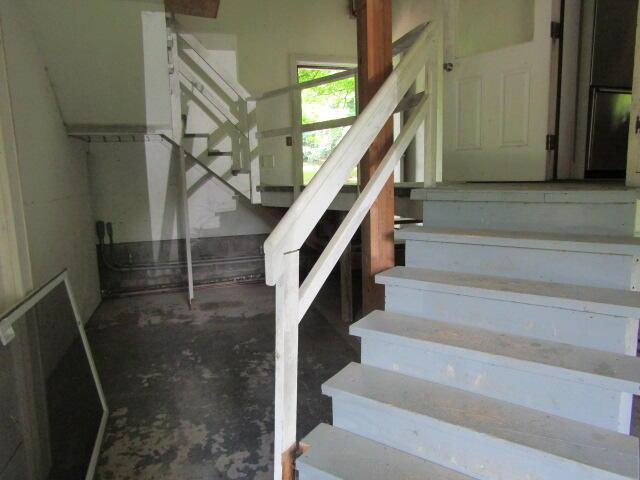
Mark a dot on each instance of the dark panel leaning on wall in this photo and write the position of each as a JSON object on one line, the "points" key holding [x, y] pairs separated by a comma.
{"points": [[135, 267]]}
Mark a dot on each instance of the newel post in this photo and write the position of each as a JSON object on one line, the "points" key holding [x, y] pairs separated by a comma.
{"points": [[286, 392]]}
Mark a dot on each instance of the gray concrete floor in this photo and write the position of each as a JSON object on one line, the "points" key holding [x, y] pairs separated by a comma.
{"points": [[191, 392]]}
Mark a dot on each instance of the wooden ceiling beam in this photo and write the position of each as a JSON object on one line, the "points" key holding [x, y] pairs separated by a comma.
{"points": [[196, 8]]}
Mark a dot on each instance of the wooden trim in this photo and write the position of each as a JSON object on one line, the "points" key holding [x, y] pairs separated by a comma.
{"points": [[286, 355], [195, 8]]}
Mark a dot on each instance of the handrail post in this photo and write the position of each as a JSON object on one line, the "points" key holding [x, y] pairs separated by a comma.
{"points": [[286, 360]]}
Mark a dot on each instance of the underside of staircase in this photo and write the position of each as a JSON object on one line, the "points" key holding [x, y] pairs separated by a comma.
{"points": [[501, 354]]}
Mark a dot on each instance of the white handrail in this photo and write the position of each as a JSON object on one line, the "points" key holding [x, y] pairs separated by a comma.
{"points": [[399, 46], [220, 71], [299, 221], [308, 84], [405, 104], [332, 252], [282, 248]]}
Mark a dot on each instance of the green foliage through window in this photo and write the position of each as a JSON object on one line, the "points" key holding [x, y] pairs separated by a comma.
{"points": [[321, 103]]}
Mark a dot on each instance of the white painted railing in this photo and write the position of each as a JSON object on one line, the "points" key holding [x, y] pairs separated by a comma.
{"points": [[220, 96], [283, 245]]}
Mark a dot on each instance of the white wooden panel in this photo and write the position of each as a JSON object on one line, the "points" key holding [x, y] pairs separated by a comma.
{"points": [[469, 113], [515, 108]]}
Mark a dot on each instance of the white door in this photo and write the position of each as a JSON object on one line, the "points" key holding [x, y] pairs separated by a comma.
{"points": [[498, 90]]}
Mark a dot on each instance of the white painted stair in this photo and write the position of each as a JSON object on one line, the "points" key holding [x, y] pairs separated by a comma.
{"points": [[500, 355], [336, 453], [552, 377], [590, 260], [473, 434]]}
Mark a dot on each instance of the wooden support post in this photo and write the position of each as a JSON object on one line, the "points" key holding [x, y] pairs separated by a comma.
{"points": [[286, 399], [374, 66]]}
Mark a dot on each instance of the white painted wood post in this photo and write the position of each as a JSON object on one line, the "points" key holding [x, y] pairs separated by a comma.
{"points": [[251, 119], [184, 193], [430, 127], [297, 152], [174, 82], [286, 359]]}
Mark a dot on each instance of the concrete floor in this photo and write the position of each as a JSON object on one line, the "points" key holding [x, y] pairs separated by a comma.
{"points": [[191, 392]]}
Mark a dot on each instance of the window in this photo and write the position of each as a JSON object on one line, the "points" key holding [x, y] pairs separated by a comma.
{"points": [[322, 103]]}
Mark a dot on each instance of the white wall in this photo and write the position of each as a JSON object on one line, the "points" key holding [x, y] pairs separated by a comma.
{"points": [[135, 186], [268, 34], [53, 174], [94, 54]]}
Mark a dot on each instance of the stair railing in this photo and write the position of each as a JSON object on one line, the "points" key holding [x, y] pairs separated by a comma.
{"points": [[282, 248], [232, 107]]}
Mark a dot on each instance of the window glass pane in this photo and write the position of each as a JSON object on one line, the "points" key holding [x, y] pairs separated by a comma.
{"points": [[326, 102], [316, 148], [319, 104]]}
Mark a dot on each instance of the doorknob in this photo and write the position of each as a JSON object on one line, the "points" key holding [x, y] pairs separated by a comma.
{"points": [[448, 67]]}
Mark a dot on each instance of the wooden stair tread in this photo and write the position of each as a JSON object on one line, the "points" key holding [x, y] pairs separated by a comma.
{"points": [[560, 360], [458, 410], [335, 453], [619, 245], [575, 297]]}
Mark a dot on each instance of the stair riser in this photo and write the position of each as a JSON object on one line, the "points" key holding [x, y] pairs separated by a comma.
{"points": [[604, 408], [308, 473], [558, 266], [580, 218], [585, 329], [466, 451]]}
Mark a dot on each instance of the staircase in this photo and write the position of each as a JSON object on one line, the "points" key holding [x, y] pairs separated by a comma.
{"points": [[500, 355]]}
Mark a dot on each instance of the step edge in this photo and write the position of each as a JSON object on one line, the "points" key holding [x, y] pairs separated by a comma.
{"points": [[610, 308], [438, 424], [331, 433], [496, 240], [504, 361]]}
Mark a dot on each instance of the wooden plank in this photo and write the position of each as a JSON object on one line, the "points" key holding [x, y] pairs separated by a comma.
{"points": [[286, 355], [308, 84], [194, 82], [174, 81], [211, 73], [195, 8], [207, 56], [399, 46], [184, 196], [606, 301], [406, 104], [338, 453], [473, 428], [375, 61]]}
